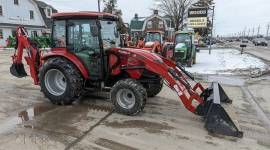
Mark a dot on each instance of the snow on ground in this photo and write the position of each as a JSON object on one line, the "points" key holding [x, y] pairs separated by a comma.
{"points": [[226, 61]]}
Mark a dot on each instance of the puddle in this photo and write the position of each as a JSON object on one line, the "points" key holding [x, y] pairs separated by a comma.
{"points": [[150, 127], [24, 118]]}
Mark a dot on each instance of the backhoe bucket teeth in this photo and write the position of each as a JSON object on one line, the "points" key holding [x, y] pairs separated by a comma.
{"points": [[218, 113], [17, 70]]}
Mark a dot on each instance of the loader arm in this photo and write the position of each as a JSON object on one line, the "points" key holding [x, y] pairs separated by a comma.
{"points": [[32, 58], [198, 100]]}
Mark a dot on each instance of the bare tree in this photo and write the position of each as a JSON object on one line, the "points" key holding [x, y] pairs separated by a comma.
{"points": [[177, 10], [111, 7]]}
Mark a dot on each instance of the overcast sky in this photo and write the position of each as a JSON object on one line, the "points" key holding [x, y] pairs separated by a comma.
{"points": [[232, 16]]}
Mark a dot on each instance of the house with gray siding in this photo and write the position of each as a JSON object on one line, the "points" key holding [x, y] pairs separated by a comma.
{"points": [[32, 14]]}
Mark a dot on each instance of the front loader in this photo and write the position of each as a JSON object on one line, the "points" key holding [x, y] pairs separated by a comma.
{"points": [[86, 54]]}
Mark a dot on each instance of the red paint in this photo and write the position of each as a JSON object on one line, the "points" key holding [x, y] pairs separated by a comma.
{"points": [[62, 52], [82, 14]]}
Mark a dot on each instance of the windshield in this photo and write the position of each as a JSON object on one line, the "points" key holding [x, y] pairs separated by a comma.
{"points": [[182, 38], [152, 37], [109, 34]]}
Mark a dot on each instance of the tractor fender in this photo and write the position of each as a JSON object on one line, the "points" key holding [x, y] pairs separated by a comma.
{"points": [[72, 58]]}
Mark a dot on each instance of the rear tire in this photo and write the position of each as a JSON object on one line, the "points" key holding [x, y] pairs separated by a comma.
{"points": [[128, 97], [60, 81]]}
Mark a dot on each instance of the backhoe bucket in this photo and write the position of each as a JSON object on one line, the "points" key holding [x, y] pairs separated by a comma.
{"points": [[217, 112], [17, 70]]}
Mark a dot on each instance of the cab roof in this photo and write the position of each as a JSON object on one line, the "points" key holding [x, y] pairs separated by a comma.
{"points": [[184, 32], [155, 31], [83, 14]]}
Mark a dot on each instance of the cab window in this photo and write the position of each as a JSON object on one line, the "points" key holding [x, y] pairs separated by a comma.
{"points": [[59, 34], [83, 35]]}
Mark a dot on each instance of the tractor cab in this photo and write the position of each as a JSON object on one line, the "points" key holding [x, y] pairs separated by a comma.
{"points": [[154, 37], [184, 50], [89, 36], [154, 41]]}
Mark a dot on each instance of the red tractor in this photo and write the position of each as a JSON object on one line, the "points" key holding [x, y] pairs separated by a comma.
{"points": [[86, 54], [154, 41]]}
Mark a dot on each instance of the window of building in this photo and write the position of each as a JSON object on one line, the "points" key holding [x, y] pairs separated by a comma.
{"points": [[161, 24], [16, 2], [1, 11], [149, 24], [59, 34], [49, 12], [1, 34], [31, 14], [34, 34]]}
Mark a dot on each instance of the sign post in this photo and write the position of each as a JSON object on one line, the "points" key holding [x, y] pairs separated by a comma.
{"points": [[198, 18]]}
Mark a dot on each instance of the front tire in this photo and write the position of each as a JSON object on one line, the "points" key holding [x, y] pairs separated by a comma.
{"points": [[128, 97], [60, 81]]}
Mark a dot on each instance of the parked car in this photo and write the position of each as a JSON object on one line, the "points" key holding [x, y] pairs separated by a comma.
{"points": [[244, 41], [260, 42]]}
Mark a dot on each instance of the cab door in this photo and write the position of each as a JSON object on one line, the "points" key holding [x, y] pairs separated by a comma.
{"points": [[83, 41]]}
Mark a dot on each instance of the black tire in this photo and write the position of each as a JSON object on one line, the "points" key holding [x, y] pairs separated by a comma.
{"points": [[136, 89], [154, 89], [73, 80], [189, 63], [195, 59]]}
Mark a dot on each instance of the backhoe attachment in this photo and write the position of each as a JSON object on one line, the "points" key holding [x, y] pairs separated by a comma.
{"points": [[32, 58], [17, 70]]}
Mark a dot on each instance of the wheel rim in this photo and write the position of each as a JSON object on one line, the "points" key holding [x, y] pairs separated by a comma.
{"points": [[55, 82], [125, 98]]}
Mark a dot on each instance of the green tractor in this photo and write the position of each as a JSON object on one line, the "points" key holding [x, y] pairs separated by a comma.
{"points": [[184, 50]]}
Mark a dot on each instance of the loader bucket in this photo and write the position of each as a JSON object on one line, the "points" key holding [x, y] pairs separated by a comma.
{"points": [[17, 70], [217, 113]]}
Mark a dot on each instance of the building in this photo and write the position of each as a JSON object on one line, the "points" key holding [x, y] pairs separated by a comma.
{"points": [[33, 15], [140, 25]]}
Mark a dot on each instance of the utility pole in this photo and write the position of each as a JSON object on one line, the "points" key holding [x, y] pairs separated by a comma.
{"points": [[98, 5], [253, 31], [267, 31], [212, 30], [259, 28]]}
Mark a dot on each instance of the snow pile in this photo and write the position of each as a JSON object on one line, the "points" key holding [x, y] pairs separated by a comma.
{"points": [[227, 61]]}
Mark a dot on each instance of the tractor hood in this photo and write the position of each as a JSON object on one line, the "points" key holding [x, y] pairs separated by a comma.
{"points": [[180, 47], [139, 53]]}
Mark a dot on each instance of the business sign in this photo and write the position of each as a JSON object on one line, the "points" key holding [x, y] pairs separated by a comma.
{"points": [[197, 17], [197, 22]]}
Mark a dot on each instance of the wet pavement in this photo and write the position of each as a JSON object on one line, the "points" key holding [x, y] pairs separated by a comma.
{"points": [[30, 121]]}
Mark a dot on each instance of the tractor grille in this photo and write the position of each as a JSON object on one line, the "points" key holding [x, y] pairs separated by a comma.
{"points": [[179, 55]]}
